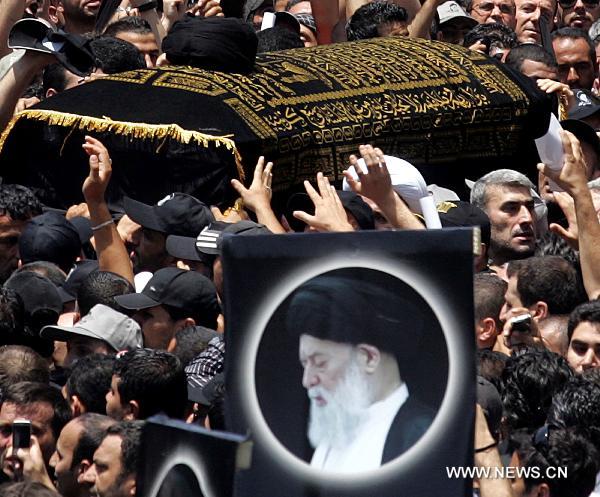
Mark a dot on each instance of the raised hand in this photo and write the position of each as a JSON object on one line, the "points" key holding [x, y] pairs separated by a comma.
{"points": [[329, 211]]}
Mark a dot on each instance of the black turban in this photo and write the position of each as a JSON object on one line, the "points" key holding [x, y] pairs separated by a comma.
{"points": [[359, 305], [224, 44]]}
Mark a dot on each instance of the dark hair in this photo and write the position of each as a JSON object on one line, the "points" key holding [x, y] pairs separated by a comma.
{"points": [[277, 38], [191, 340], [576, 34], [550, 279], [19, 363], [129, 24], [153, 378], [551, 243], [12, 316], [18, 202], [490, 365], [130, 433], [206, 317], [588, 311], [530, 51], [94, 430], [488, 293], [530, 381], [114, 55], [101, 287], [54, 76], [560, 448], [500, 36], [29, 392], [577, 405], [90, 381], [367, 19], [46, 269], [26, 489]]}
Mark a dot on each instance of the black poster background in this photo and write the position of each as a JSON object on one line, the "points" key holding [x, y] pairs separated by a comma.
{"points": [[185, 460], [263, 373]]}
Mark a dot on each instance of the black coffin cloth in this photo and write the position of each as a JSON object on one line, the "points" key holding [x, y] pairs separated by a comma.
{"points": [[452, 112]]}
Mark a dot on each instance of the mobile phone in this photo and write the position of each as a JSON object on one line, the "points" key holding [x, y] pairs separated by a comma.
{"points": [[21, 433], [521, 323]]}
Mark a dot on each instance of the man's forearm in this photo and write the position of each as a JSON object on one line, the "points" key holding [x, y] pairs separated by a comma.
{"points": [[10, 12], [492, 487], [420, 27], [112, 254], [399, 215], [589, 240], [15, 82]]}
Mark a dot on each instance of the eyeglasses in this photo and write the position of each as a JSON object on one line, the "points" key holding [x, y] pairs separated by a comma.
{"points": [[567, 4]]}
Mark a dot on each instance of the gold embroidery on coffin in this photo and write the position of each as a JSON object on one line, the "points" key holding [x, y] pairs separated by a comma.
{"points": [[328, 95], [134, 77], [189, 82]]}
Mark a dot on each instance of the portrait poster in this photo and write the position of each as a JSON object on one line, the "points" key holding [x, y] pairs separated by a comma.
{"points": [[351, 362], [186, 460]]}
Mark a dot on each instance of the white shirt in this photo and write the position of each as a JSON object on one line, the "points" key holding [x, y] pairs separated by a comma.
{"points": [[365, 451]]}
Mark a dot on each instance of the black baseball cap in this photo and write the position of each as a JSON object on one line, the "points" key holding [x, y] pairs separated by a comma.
{"points": [[457, 213], [75, 278], [185, 290], [49, 237], [210, 239], [71, 51], [176, 214], [288, 21], [37, 292], [584, 132], [587, 105]]}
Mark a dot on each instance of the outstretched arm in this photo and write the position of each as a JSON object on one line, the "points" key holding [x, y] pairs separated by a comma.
{"points": [[10, 12], [376, 184], [572, 179], [257, 197], [420, 27], [17, 79], [112, 254], [329, 211]]}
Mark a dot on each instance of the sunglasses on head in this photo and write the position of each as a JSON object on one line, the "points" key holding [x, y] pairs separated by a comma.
{"points": [[567, 4]]}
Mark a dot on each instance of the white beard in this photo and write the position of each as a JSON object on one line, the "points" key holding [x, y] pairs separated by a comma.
{"points": [[337, 422]]}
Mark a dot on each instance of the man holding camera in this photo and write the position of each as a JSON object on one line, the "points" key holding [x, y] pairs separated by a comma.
{"points": [[48, 412]]}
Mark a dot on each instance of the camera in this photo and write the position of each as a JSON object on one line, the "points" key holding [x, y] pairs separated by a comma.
{"points": [[521, 323], [21, 433]]}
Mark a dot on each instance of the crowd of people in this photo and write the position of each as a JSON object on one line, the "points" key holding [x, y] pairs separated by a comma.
{"points": [[108, 318]]}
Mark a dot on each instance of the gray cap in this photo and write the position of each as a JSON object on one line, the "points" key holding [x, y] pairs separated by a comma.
{"points": [[101, 323], [449, 11]]}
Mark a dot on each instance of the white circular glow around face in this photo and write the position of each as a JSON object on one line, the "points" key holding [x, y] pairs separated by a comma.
{"points": [[432, 439]]}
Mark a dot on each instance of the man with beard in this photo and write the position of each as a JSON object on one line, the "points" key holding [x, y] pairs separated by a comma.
{"points": [[354, 338], [114, 469], [74, 16]]}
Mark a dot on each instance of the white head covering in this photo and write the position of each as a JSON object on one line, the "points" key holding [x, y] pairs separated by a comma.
{"points": [[407, 181]]}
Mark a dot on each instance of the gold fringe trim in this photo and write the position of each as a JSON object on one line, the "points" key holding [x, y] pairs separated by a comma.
{"points": [[140, 131]]}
